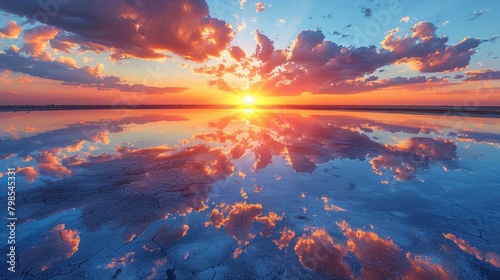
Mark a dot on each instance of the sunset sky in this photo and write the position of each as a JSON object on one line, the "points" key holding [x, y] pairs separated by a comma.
{"points": [[279, 52]]}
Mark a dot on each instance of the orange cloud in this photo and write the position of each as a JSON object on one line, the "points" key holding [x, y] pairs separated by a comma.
{"points": [[36, 41], [24, 79], [58, 246], [50, 164], [331, 207], [68, 60], [122, 261], [319, 253], [28, 173], [287, 236], [382, 259], [11, 31], [239, 222], [491, 258]]}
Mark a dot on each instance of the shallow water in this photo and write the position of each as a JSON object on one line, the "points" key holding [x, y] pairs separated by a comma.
{"points": [[250, 194]]}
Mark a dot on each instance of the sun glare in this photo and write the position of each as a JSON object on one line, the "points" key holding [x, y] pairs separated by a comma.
{"points": [[248, 100]]}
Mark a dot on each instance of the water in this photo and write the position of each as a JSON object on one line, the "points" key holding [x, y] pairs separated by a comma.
{"points": [[250, 194]]}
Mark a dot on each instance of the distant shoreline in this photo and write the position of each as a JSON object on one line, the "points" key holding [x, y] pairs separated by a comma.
{"points": [[493, 111]]}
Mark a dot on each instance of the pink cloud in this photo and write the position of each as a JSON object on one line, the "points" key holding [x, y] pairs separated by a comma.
{"points": [[259, 7]]}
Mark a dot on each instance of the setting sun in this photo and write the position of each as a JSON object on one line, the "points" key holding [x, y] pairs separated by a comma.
{"points": [[248, 100]]}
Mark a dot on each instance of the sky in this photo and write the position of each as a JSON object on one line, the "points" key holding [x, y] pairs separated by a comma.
{"points": [[354, 52]]}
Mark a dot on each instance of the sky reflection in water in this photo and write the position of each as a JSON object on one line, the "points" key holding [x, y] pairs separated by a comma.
{"points": [[260, 194]]}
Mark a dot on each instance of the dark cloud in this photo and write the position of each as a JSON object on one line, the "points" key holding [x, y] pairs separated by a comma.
{"points": [[67, 73], [367, 12], [479, 137], [483, 74], [491, 40], [474, 15], [143, 29]]}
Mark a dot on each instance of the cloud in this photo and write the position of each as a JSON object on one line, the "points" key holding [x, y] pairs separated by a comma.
{"points": [[476, 14], [382, 259], [237, 53], [418, 152], [491, 258], [239, 222], [143, 29], [165, 237], [479, 137], [242, 3], [367, 12], [192, 171], [29, 173], [315, 65], [58, 246], [491, 40], [482, 74], [36, 41], [306, 142], [73, 134], [405, 19], [221, 85], [318, 252], [259, 7], [428, 52], [287, 235], [121, 261], [11, 31], [65, 71], [50, 164]]}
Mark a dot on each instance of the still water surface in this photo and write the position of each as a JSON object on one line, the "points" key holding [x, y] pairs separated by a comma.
{"points": [[250, 194]]}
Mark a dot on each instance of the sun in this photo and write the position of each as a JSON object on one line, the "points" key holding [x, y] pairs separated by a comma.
{"points": [[248, 100]]}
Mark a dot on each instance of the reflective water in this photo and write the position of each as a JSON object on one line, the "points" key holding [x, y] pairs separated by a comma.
{"points": [[249, 194]]}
